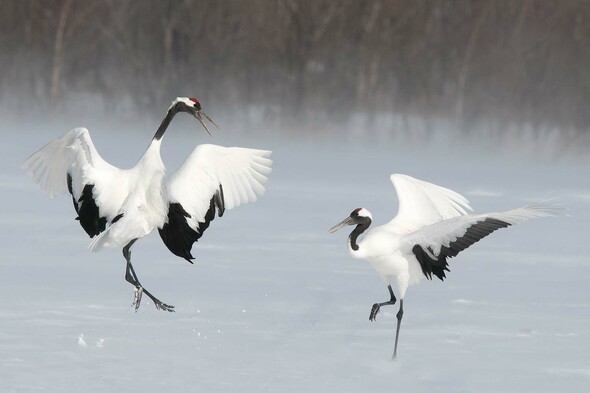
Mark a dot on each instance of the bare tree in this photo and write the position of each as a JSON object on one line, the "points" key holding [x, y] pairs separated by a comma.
{"points": [[514, 60]]}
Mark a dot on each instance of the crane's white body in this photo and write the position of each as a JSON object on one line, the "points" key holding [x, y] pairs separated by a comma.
{"points": [[143, 193], [430, 216], [382, 249], [140, 199], [116, 207]]}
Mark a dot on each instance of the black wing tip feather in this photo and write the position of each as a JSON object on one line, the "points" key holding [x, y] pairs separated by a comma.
{"points": [[88, 211], [69, 183], [219, 200], [429, 265], [177, 234], [70, 188], [438, 265], [117, 218]]}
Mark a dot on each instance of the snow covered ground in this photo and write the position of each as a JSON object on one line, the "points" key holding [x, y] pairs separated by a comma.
{"points": [[274, 303]]}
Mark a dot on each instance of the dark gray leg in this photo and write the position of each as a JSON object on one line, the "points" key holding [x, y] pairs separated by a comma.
{"points": [[377, 306], [400, 314], [129, 271], [131, 278]]}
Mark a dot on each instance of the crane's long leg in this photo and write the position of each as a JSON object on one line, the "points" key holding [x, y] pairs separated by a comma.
{"points": [[131, 278], [377, 306], [399, 315]]}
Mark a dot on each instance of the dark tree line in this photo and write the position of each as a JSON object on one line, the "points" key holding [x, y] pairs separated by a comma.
{"points": [[521, 61]]}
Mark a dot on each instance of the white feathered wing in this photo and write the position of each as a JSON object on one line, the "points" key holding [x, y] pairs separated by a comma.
{"points": [[212, 177], [422, 203], [74, 153]]}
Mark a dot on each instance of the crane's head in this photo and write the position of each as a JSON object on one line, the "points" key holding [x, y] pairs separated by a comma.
{"points": [[358, 216], [192, 106]]}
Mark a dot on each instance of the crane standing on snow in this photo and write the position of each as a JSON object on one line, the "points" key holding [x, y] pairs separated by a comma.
{"points": [[432, 224], [116, 207]]}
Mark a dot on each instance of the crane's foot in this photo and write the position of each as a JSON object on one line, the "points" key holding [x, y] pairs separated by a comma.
{"points": [[374, 312], [137, 297], [163, 306], [159, 304], [139, 291]]}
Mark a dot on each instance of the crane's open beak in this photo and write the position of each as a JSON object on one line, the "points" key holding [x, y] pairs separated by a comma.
{"points": [[342, 224], [199, 114]]}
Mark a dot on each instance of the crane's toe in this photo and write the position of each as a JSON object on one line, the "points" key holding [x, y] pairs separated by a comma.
{"points": [[137, 297], [163, 306], [374, 312], [139, 291]]}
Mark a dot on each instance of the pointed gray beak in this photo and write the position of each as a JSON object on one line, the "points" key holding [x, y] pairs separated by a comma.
{"points": [[199, 116], [342, 224]]}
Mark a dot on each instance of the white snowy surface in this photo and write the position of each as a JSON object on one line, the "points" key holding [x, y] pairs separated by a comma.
{"points": [[274, 303]]}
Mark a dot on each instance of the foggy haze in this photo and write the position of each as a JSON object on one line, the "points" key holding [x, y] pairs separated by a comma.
{"points": [[304, 64], [486, 98]]}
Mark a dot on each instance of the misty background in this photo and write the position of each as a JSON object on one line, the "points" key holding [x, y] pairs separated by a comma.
{"points": [[306, 65], [488, 98]]}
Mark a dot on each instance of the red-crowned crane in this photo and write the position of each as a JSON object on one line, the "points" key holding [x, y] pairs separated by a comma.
{"points": [[431, 225], [116, 207]]}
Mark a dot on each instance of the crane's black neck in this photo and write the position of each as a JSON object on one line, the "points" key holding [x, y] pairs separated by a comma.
{"points": [[165, 123], [360, 228]]}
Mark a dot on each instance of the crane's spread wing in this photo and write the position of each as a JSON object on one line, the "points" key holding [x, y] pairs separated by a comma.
{"points": [[72, 163], [433, 244], [422, 203], [212, 177]]}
